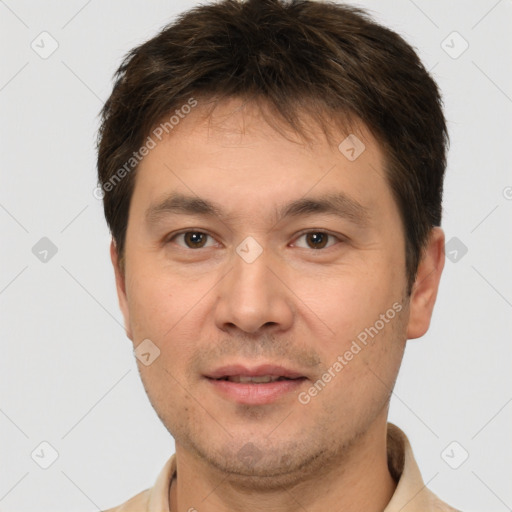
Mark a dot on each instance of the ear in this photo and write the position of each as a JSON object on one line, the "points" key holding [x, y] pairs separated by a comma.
{"points": [[426, 284], [121, 288]]}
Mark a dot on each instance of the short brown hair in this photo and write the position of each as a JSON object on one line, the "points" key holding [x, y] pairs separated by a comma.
{"points": [[328, 60]]}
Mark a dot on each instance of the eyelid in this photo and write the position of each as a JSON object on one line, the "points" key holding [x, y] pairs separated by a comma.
{"points": [[170, 238], [338, 237]]}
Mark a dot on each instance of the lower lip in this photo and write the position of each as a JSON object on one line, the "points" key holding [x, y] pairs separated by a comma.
{"points": [[256, 394]]}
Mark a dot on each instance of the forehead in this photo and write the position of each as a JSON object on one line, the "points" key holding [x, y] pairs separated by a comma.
{"points": [[236, 158]]}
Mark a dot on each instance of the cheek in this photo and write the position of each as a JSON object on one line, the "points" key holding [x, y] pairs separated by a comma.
{"points": [[347, 302], [165, 310], [162, 314], [156, 303], [362, 368]]}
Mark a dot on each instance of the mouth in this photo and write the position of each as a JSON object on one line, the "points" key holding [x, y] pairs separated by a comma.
{"points": [[262, 379], [259, 385]]}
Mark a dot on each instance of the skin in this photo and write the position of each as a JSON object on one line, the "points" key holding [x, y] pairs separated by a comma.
{"points": [[295, 305]]}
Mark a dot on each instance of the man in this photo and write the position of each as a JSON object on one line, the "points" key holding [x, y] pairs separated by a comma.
{"points": [[273, 175]]}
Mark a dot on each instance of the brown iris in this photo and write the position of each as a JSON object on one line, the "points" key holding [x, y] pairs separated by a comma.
{"points": [[195, 239], [319, 240]]}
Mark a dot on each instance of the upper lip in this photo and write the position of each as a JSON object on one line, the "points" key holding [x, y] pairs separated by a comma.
{"points": [[256, 371]]}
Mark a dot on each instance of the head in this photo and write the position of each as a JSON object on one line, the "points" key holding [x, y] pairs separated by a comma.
{"points": [[317, 133]]}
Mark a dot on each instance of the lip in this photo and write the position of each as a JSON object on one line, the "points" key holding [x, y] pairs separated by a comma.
{"points": [[252, 393], [255, 394], [256, 371]]}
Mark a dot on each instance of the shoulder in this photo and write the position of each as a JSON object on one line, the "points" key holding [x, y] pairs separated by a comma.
{"points": [[437, 505], [411, 493]]}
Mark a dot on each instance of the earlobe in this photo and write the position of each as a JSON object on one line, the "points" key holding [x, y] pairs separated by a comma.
{"points": [[120, 287], [426, 285]]}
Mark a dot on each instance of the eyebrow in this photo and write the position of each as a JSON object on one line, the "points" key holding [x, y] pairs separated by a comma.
{"points": [[338, 204]]}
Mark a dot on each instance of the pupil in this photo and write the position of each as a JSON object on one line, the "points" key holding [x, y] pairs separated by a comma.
{"points": [[194, 239], [318, 239]]}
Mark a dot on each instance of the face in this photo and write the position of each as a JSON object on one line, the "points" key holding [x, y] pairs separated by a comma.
{"points": [[251, 258]]}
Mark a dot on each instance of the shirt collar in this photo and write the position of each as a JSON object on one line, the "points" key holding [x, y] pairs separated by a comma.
{"points": [[411, 494]]}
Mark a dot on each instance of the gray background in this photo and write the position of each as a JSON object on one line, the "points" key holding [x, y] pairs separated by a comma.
{"points": [[67, 371]]}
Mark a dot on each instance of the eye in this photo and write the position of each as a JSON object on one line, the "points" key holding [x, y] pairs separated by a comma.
{"points": [[316, 240], [199, 240], [192, 239]]}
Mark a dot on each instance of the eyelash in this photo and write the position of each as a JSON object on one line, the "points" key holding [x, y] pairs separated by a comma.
{"points": [[304, 233]]}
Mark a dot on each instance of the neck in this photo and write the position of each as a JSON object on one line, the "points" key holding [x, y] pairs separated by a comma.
{"points": [[358, 480]]}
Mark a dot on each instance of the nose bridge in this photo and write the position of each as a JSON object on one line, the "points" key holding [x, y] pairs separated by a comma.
{"points": [[251, 296]]}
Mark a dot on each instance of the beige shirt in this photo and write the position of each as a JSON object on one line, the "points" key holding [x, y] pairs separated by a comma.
{"points": [[410, 495]]}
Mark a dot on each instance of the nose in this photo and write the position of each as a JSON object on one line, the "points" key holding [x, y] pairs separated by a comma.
{"points": [[253, 297]]}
